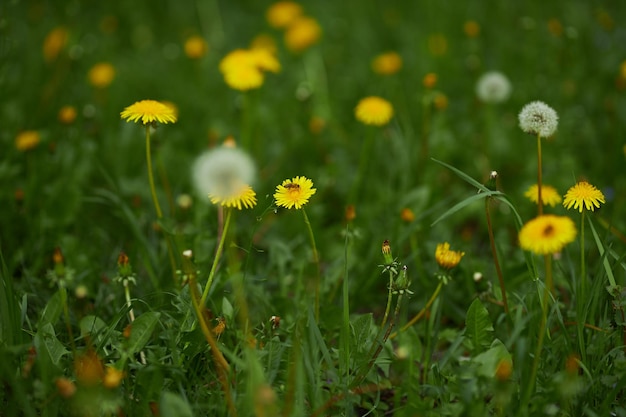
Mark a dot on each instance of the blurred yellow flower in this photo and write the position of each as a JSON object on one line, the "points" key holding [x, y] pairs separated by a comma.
{"points": [[27, 140], [387, 63], [302, 34], [504, 369], [440, 101], [283, 13], [239, 197], [317, 125], [101, 75], [54, 43], [549, 195], [374, 111], [294, 193], [547, 234], [112, 377], [407, 215], [350, 213], [583, 196], [555, 27], [67, 114], [149, 111], [264, 41], [447, 258], [437, 44], [430, 80], [471, 29], [243, 68], [196, 47]]}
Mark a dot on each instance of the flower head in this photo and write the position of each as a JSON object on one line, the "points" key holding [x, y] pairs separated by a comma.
{"points": [[471, 29], [429, 80], [67, 114], [302, 33], [447, 258], [283, 13], [374, 111], [243, 68], [101, 75], [407, 215], [549, 195], [583, 195], [294, 193], [387, 63], [54, 43], [240, 196], [196, 47], [220, 172], [149, 111], [537, 118], [493, 87], [27, 140], [547, 234], [112, 377]]}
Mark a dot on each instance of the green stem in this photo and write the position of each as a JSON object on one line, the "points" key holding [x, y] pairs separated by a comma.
{"points": [[218, 255], [530, 384], [316, 259], [422, 311], [150, 175], [581, 297], [388, 308], [495, 256], [539, 196]]}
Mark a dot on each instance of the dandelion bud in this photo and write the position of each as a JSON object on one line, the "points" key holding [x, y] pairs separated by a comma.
{"points": [[123, 265], [350, 213], [386, 249]]}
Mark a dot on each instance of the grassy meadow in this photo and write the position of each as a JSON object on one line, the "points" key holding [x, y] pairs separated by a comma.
{"points": [[313, 208]]}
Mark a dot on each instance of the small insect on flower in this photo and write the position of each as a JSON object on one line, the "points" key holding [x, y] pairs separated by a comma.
{"points": [[292, 186]]}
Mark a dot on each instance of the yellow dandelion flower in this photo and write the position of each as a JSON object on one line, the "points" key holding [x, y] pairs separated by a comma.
{"points": [[549, 195], [264, 60], [67, 115], [350, 213], [55, 42], [547, 234], [387, 63], [555, 27], [101, 75], [407, 215], [294, 193], [196, 47], [583, 195], [504, 369], [302, 34], [374, 111], [112, 377], [239, 197], [283, 13], [264, 41], [244, 78], [236, 59], [440, 101], [149, 111], [471, 29], [447, 258], [27, 140], [430, 80]]}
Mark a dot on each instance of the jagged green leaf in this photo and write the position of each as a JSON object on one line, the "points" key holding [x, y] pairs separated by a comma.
{"points": [[478, 327]]}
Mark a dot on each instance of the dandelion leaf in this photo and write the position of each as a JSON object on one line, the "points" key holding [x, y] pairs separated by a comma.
{"points": [[478, 327]]}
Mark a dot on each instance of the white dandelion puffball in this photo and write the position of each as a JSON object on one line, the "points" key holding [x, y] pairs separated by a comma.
{"points": [[538, 118], [222, 171], [493, 87]]}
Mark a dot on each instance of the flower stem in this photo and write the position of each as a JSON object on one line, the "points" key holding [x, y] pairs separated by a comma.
{"points": [[218, 358], [495, 256], [530, 385], [388, 308], [150, 175], [422, 311], [539, 197], [218, 255], [316, 259], [581, 296]]}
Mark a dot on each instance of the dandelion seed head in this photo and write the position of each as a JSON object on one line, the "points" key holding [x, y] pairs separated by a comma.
{"points": [[537, 118], [493, 87]]}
